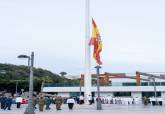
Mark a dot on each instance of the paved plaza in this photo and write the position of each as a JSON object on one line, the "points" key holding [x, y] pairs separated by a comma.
{"points": [[91, 109]]}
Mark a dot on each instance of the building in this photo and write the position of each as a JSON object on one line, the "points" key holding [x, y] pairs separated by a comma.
{"points": [[117, 85]]}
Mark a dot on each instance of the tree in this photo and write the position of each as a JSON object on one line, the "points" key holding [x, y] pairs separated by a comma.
{"points": [[21, 73], [63, 74]]}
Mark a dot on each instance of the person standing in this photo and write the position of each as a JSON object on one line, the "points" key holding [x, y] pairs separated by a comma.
{"points": [[145, 100], [81, 99], [34, 101], [3, 102], [70, 101], [48, 101], [58, 102], [18, 101], [8, 102], [41, 103], [89, 99]]}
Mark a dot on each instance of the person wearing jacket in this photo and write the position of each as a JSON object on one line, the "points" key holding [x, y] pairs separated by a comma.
{"points": [[8, 103], [41, 103], [3, 102], [48, 101], [58, 102]]}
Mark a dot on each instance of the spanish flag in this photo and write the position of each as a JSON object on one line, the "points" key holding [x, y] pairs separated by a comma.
{"points": [[96, 42]]}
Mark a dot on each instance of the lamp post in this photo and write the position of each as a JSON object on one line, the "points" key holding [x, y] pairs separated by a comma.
{"points": [[155, 92], [30, 108], [16, 87], [99, 106], [80, 87], [154, 85]]}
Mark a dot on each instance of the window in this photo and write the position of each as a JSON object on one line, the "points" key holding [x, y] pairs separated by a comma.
{"points": [[151, 94], [122, 94], [144, 84], [129, 84]]}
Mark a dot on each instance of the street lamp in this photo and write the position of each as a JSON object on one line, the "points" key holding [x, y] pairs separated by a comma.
{"points": [[99, 106], [30, 108], [24, 57]]}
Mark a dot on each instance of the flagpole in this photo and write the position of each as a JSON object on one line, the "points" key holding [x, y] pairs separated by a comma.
{"points": [[87, 78]]}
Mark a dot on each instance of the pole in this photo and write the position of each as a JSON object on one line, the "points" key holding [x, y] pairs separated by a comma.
{"points": [[87, 77], [154, 83], [99, 106], [42, 86], [28, 61], [30, 108], [155, 91], [16, 88], [80, 87]]}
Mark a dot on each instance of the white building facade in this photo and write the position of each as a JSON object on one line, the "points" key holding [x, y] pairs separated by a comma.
{"points": [[119, 87]]}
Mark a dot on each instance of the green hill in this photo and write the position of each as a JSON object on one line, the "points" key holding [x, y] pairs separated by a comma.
{"points": [[10, 75]]}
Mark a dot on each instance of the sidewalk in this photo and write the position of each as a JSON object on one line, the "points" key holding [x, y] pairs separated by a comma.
{"points": [[91, 109]]}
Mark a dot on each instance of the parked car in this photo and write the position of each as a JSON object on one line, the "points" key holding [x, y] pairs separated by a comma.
{"points": [[24, 101]]}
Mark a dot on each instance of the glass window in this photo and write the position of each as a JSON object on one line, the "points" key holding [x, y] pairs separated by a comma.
{"points": [[122, 94], [129, 84], [144, 83], [151, 94], [162, 83]]}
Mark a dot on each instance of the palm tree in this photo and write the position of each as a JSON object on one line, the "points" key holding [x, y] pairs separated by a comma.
{"points": [[63, 74]]}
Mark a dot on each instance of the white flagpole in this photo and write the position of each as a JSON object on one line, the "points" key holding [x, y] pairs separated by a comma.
{"points": [[87, 77]]}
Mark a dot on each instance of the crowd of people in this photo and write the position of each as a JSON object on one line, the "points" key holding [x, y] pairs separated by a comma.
{"points": [[39, 101], [46, 101], [120, 100], [42, 102], [6, 102]]}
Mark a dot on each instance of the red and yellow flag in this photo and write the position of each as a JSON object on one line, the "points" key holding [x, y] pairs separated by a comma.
{"points": [[96, 42]]}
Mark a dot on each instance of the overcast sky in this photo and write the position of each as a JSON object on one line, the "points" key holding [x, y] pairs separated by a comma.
{"points": [[132, 31]]}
